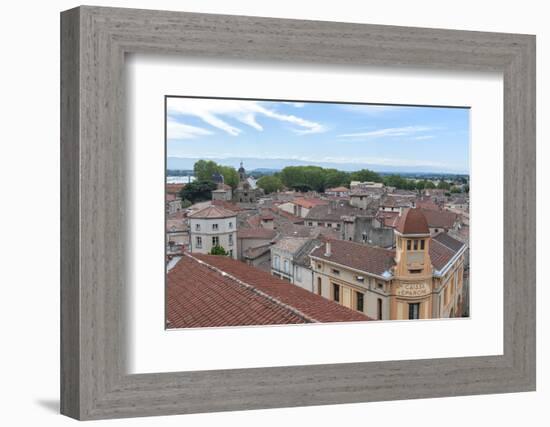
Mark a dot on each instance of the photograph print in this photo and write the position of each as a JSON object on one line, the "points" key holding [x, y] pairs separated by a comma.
{"points": [[284, 212]]}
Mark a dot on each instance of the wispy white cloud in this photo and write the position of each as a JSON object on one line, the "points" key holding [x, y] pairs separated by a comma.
{"points": [[177, 130], [296, 104], [388, 132], [424, 137], [371, 110], [217, 113]]}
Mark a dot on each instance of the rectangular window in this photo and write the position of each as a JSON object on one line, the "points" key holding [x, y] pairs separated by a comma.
{"points": [[408, 245], [379, 309], [215, 241], [415, 244], [416, 271], [230, 224], [310, 224], [414, 311], [334, 271], [276, 261], [214, 226], [360, 279], [422, 243], [286, 266], [231, 240], [329, 225], [336, 292], [199, 242], [299, 274], [359, 301], [197, 227]]}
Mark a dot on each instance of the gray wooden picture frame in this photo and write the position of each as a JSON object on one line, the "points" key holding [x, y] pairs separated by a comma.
{"points": [[94, 41]]}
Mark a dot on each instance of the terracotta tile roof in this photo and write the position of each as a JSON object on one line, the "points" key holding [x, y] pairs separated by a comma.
{"points": [[412, 221], [257, 251], [200, 297], [396, 202], [427, 204], [287, 215], [439, 218], [267, 216], [314, 307], [254, 221], [361, 257], [388, 219], [333, 211], [442, 248], [256, 233], [227, 205], [175, 225], [309, 203], [290, 244], [449, 241], [213, 211]]}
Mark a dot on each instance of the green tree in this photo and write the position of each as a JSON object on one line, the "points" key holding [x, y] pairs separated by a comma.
{"points": [[395, 181], [429, 185], [270, 183], [443, 185], [336, 178], [204, 169], [365, 175], [230, 175], [218, 250], [304, 176], [198, 191], [420, 185]]}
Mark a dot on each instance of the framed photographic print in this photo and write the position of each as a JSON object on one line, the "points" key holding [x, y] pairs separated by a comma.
{"points": [[262, 213]]}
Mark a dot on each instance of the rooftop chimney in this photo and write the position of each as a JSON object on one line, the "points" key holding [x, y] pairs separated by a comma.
{"points": [[328, 250]]}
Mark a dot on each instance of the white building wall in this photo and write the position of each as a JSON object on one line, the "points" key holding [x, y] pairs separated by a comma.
{"points": [[225, 229], [303, 277]]}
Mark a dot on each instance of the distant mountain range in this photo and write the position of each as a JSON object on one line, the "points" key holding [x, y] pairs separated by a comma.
{"points": [[273, 165]]}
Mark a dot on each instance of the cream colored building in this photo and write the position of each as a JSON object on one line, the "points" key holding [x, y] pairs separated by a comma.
{"points": [[213, 226], [421, 279]]}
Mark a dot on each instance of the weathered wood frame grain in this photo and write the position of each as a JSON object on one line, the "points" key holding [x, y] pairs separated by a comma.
{"points": [[94, 41]]}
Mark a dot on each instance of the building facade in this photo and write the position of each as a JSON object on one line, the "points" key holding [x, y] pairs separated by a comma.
{"points": [[213, 226], [421, 279]]}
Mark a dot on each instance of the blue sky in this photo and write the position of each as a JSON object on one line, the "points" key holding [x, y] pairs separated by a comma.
{"points": [[350, 136]]}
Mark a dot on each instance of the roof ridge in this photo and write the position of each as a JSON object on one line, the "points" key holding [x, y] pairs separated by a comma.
{"points": [[255, 290]]}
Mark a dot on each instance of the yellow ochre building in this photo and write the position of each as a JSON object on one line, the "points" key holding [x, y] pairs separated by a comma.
{"points": [[421, 279]]}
